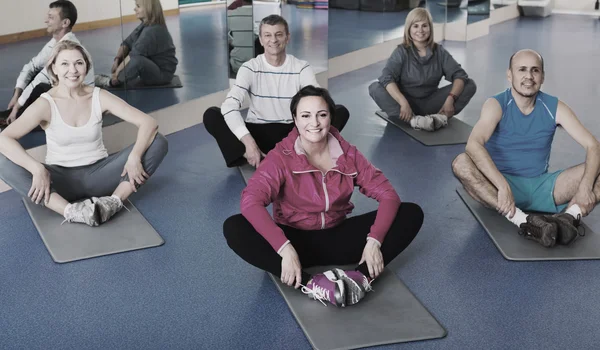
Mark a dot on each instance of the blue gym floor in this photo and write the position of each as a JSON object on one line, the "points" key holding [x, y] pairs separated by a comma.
{"points": [[194, 292]]}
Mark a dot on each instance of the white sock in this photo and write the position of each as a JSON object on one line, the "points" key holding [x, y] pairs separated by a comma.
{"points": [[519, 218], [574, 210], [67, 208]]}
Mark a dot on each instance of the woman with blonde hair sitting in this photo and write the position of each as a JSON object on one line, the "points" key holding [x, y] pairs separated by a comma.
{"points": [[148, 53], [78, 180], [408, 85]]}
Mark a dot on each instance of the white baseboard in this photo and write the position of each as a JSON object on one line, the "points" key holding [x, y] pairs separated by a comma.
{"points": [[478, 29], [504, 14]]}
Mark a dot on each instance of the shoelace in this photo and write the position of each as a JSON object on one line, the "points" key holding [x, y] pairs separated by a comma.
{"points": [[315, 293], [577, 224], [72, 219]]}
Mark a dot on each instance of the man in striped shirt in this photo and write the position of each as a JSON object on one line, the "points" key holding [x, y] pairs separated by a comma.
{"points": [[270, 81]]}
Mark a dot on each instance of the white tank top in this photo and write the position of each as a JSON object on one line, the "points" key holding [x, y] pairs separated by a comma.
{"points": [[71, 146]]}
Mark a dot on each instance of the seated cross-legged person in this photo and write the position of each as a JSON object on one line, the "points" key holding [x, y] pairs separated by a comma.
{"points": [[147, 54], [505, 166], [269, 80], [408, 85], [34, 79], [309, 178], [79, 180]]}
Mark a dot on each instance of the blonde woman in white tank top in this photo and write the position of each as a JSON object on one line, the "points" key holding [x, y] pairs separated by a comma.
{"points": [[78, 180]]}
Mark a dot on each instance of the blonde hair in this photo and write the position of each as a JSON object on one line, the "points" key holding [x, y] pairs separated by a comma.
{"points": [[154, 11], [67, 45], [417, 15]]}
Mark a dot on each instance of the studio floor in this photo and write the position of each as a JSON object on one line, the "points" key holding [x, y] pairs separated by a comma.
{"points": [[194, 292]]}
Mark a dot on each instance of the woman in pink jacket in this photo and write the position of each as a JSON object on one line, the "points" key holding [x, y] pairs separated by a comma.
{"points": [[309, 178]]}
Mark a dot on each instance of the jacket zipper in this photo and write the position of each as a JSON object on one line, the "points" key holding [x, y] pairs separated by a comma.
{"points": [[326, 202]]}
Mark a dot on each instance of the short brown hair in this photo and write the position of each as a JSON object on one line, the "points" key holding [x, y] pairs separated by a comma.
{"points": [[67, 45]]}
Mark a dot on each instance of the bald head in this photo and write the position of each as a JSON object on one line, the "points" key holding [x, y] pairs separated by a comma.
{"points": [[526, 54]]}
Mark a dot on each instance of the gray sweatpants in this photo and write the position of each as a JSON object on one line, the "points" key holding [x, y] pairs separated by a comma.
{"points": [[148, 71], [421, 106], [94, 180]]}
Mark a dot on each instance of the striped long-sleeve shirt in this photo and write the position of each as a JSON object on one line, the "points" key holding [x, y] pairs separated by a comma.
{"points": [[270, 90]]}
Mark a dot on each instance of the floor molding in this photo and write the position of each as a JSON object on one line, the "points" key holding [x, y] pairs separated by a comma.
{"points": [[79, 27]]}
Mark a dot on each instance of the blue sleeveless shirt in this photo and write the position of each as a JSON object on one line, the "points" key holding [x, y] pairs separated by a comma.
{"points": [[520, 144]]}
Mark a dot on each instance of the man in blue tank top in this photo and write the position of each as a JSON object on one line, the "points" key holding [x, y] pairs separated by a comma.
{"points": [[505, 164]]}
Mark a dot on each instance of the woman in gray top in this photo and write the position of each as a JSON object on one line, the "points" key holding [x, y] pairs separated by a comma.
{"points": [[408, 85], [148, 53]]}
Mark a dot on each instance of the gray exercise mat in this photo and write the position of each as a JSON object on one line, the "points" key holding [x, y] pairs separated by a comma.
{"points": [[247, 171], [126, 231], [515, 247], [389, 314], [456, 132], [136, 84]]}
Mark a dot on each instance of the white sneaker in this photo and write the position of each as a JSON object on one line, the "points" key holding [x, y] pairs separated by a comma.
{"points": [[422, 122], [102, 80], [85, 212], [439, 120]]}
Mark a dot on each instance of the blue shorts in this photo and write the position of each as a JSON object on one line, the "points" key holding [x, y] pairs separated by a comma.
{"points": [[535, 193]]}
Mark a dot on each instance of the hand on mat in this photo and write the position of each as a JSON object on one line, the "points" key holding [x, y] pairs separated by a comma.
{"points": [[448, 107], [134, 169], [506, 202], [373, 257], [40, 186], [253, 154], [585, 199], [406, 112], [291, 270]]}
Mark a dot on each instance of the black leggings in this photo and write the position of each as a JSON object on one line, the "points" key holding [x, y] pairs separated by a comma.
{"points": [[340, 245], [266, 135]]}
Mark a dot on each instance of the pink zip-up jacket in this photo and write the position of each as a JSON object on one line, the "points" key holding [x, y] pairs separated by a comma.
{"points": [[305, 198]]}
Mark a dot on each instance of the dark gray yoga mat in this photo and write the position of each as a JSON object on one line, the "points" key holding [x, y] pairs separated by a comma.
{"points": [[515, 247], [456, 132], [247, 171], [137, 84], [126, 231], [388, 314]]}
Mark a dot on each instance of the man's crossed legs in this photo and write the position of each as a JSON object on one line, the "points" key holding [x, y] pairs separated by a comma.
{"points": [[556, 199]]}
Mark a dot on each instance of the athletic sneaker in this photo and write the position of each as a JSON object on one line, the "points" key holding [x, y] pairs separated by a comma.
{"points": [[422, 122], [108, 206], [539, 230], [567, 227], [102, 80], [85, 212], [357, 285], [326, 286], [439, 121]]}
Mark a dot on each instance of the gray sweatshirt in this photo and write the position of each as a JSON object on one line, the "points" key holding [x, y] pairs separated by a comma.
{"points": [[419, 77], [155, 42]]}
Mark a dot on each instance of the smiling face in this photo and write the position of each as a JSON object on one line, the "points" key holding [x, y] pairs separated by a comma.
{"points": [[420, 31], [274, 38], [70, 68], [525, 74], [54, 22], [312, 119], [140, 11]]}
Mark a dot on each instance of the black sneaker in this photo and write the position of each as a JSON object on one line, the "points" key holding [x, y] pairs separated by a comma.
{"points": [[568, 227], [539, 230]]}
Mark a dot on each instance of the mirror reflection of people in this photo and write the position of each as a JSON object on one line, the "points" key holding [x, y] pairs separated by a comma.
{"points": [[147, 54], [309, 178], [240, 34], [34, 79], [269, 81], [78, 180], [506, 160], [408, 85]]}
